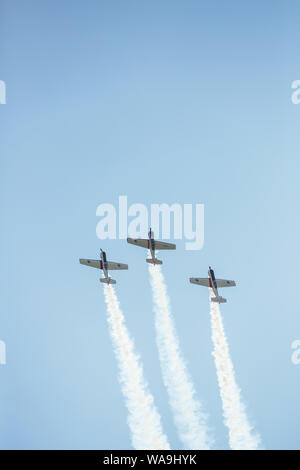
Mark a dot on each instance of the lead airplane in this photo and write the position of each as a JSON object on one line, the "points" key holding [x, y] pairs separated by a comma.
{"points": [[105, 265], [213, 283], [152, 245]]}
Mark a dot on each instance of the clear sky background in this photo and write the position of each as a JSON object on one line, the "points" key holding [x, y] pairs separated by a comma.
{"points": [[162, 101]]}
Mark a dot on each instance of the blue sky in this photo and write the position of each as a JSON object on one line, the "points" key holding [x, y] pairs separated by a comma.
{"points": [[172, 101]]}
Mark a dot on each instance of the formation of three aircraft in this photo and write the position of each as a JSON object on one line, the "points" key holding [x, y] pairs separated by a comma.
{"points": [[151, 244]]}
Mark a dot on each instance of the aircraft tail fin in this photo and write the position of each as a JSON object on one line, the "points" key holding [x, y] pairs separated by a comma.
{"points": [[154, 261]]}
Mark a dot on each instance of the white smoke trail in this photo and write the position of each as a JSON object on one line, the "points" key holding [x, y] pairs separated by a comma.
{"points": [[144, 420], [241, 436], [188, 415]]}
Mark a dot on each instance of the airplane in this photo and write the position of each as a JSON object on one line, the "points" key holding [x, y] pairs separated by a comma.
{"points": [[213, 283], [105, 265], [152, 245]]}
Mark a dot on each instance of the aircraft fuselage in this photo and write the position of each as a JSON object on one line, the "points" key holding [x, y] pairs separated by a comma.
{"points": [[151, 244], [212, 281]]}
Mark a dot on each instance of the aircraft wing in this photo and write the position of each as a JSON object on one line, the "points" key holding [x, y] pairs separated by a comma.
{"points": [[143, 242], [225, 283], [164, 246], [201, 281], [94, 263], [112, 266]]}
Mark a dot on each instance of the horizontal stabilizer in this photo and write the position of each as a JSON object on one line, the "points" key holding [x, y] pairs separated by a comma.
{"points": [[154, 261], [220, 300], [106, 280]]}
